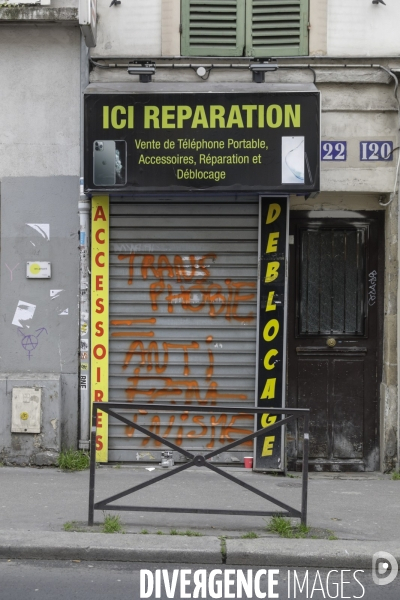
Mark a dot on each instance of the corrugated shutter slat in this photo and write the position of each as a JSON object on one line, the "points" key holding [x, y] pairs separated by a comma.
{"points": [[182, 274]]}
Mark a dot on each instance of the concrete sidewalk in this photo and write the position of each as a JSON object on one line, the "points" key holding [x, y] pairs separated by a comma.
{"points": [[265, 552], [362, 510]]}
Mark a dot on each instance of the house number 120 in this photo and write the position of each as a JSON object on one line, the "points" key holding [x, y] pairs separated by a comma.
{"points": [[376, 151]]}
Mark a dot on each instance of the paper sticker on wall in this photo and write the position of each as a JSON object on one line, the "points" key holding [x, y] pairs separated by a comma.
{"points": [[42, 228], [55, 294], [63, 312], [84, 345], [24, 312], [84, 322], [83, 379]]}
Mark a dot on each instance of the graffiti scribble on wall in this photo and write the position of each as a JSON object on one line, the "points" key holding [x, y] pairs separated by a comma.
{"points": [[30, 342]]}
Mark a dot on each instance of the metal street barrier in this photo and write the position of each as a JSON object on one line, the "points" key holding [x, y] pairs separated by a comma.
{"points": [[199, 460]]}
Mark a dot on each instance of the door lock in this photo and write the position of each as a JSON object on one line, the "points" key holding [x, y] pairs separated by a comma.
{"points": [[331, 342]]}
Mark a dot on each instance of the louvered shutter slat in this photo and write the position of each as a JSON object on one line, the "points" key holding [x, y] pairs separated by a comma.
{"points": [[273, 27], [276, 27], [213, 27]]}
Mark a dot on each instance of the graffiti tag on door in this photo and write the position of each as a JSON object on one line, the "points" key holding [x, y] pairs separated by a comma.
{"points": [[372, 282]]}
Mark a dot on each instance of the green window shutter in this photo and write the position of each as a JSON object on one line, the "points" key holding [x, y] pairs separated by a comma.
{"points": [[213, 27], [277, 28]]}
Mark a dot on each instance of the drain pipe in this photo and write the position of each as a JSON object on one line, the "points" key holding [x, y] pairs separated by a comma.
{"points": [[84, 272]]}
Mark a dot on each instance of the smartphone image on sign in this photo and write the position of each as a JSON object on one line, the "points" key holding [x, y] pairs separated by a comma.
{"points": [[109, 162], [120, 162], [104, 162], [293, 158]]}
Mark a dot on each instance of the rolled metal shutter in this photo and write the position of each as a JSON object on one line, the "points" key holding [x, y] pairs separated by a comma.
{"points": [[183, 299]]}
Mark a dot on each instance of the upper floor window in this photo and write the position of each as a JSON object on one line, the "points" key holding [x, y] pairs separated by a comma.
{"points": [[244, 28]]}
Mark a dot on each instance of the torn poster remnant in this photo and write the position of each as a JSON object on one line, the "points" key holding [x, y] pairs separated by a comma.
{"points": [[23, 312], [42, 228], [55, 294]]}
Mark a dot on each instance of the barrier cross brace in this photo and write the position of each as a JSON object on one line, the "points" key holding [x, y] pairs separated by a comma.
{"points": [[199, 460]]}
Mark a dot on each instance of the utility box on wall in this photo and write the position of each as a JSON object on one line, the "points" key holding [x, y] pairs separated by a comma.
{"points": [[26, 410]]}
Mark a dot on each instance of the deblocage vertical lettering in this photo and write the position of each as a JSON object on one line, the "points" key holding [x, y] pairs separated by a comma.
{"points": [[271, 363]]}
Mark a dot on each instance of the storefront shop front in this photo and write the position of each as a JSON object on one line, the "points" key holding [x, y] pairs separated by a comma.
{"points": [[192, 286]]}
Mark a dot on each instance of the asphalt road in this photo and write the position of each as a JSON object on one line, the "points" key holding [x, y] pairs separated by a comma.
{"points": [[69, 580]]}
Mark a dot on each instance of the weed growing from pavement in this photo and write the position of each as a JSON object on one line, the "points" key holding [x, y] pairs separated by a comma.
{"points": [[144, 531], [187, 532], [73, 526], [249, 536], [332, 537], [302, 531], [112, 524], [395, 475], [160, 533], [73, 460], [283, 527], [223, 547]]}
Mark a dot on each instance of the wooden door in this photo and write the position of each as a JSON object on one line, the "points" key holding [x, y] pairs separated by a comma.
{"points": [[335, 338]]}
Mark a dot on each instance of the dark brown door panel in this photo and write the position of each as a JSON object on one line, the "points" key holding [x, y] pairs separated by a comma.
{"points": [[335, 338]]}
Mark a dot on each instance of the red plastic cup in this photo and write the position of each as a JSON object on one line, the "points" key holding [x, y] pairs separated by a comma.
{"points": [[248, 462]]}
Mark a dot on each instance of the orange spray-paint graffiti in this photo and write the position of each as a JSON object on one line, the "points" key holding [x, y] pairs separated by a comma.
{"points": [[179, 371], [217, 299]]}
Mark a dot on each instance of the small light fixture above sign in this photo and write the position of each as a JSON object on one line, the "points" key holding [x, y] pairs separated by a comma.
{"points": [[38, 270], [144, 68], [260, 67]]}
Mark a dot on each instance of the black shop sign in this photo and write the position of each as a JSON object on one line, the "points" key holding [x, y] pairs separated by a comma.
{"points": [[178, 141], [271, 342]]}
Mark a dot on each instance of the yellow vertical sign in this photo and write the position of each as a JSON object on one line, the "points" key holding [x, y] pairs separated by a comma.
{"points": [[100, 318]]}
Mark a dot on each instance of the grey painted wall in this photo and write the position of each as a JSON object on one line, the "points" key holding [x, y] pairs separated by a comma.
{"points": [[52, 202], [39, 174], [39, 100]]}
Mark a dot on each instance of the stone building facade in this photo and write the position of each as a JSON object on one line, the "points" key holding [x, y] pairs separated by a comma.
{"points": [[343, 271]]}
